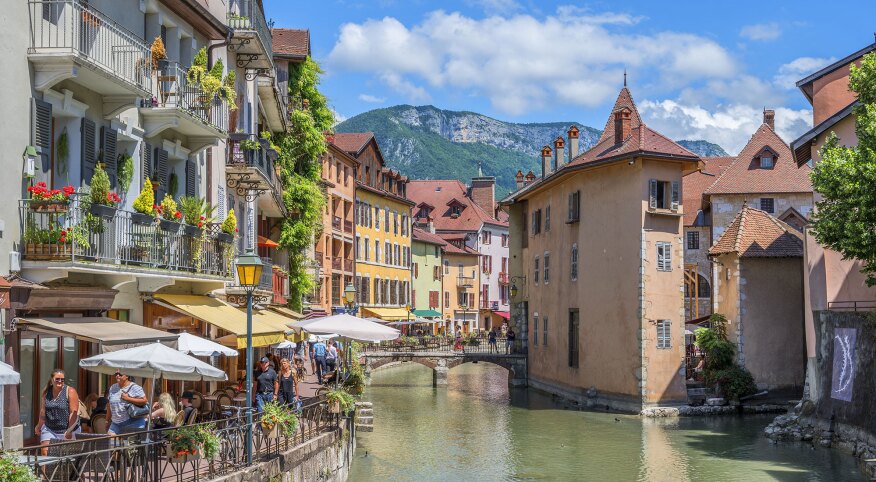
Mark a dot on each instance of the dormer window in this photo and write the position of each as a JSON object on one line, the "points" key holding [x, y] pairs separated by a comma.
{"points": [[766, 162], [455, 211], [766, 159]]}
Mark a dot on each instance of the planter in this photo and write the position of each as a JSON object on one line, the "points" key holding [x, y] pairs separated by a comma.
{"points": [[334, 407], [106, 212], [273, 432], [49, 206], [192, 231], [48, 251], [175, 458], [169, 225], [142, 219], [225, 237], [163, 64]]}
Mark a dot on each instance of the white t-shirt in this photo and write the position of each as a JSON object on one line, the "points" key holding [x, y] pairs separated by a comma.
{"points": [[119, 407], [331, 353]]}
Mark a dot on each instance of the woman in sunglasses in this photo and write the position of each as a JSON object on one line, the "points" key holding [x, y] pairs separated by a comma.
{"points": [[59, 419], [125, 398]]}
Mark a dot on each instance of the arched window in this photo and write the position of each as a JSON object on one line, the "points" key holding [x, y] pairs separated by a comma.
{"points": [[703, 287]]}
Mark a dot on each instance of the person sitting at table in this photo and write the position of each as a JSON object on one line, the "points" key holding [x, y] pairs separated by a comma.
{"points": [[329, 377], [85, 408], [185, 400], [163, 411]]}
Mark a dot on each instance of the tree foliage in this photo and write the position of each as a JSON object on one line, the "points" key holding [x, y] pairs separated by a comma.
{"points": [[720, 369], [845, 219], [300, 149]]}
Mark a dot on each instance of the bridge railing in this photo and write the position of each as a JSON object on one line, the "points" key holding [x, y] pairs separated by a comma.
{"points": [[474, 343]]}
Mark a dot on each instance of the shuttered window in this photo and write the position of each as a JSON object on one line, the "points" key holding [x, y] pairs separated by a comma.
{"points": [[89, 150], [535, 330], [108, 143], [146, 158], [663, 334], [162, 174], [663, 194], [573, 264], [574, 207], [42, 131], [221, 205], [664, 256], [191, 178]]}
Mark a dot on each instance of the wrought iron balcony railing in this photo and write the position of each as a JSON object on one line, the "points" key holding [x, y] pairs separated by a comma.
{"points": [[336, 222], [348, 265], [261, 158], [174, 89], [465, 282], [337, 262], [61, 27], [503, 278], [247, 15]]}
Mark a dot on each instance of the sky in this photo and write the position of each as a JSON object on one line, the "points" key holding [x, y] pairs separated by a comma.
{"points": [[696, 69]]}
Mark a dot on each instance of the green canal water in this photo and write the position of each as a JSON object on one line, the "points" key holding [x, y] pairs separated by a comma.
{"points": [[476, 430]]}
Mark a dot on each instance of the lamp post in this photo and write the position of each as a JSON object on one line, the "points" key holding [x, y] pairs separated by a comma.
{"points": [[408, 321], [350, 299], [249, 271]]}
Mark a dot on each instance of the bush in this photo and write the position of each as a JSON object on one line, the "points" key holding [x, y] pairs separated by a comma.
{"points": [[169, 210], [720, 368], [145, 202], [229, 226], [100, 187], [279, 414], [734, 381]]}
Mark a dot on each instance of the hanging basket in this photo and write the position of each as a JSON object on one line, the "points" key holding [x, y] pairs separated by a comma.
{"points": [[106, 212], [178, 458], [169, 225], [225, 237], [271, 433], [192, 231], [142, 219]]}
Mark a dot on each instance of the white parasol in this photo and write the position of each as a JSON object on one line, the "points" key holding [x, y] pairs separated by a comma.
{"points": [[347, 326], [8, 376], [195, 345]]}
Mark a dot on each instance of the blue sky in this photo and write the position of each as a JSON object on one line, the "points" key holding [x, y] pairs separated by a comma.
{"points": [[697, 70]]}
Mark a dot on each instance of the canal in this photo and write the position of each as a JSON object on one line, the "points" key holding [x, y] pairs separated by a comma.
{"points": [[476, 430]]}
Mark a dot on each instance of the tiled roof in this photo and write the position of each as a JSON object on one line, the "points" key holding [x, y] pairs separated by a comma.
{"points": [[427, 237], [696, 183], [755, 234], [441, 192], [291, 42], [746, 176], [352, 142], [453, 249]]}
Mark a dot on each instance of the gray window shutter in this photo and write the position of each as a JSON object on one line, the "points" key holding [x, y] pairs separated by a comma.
{"points": [[108, 141], [162, 174], [146, 159], [652, 189], [675, 196], [220, 208], [42, 131], [89, 150], [191, 179]]}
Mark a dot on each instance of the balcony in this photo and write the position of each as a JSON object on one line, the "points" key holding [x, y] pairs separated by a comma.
{"points": [[60, 239], [489, 305], [348, 265], [280, 286], [184, 107], [504, 278], [250, 166], [251, 37], [336, 222], [71, 40], [337, 263], [348, 227], [465, 282], [318, 256], [272, 91]]}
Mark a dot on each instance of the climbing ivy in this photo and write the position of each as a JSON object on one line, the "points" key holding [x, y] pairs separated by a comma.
{"points": [[300, 149]]}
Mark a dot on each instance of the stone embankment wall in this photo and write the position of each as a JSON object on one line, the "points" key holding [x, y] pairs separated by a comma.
{"points": [[325, 458]]}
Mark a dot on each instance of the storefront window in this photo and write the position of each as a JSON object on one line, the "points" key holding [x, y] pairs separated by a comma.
{"points": [[25, 397]]}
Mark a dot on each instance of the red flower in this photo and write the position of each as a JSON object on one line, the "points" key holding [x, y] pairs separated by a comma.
{"points": [[68, 190], [203, 218], [63, 232], [63, 239], [177, 215], [200, 224], [236, 230], [41, 184]]}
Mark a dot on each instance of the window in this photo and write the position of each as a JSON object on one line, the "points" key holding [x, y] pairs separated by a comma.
{"points": [[446, 267], [485, 295], [704, 290], [663, 194], [486, 264], [367, 249], [535, 329], [455, 211], [664, 256], [766, 161], [447, 299], [573, 264], [346, 175], [503, 294], [416, 270], [663, 339], [573, 338], [386, 219], [387, 252], [394, 222], [486, 237], [433, 300], [536, 222], [547, 267], [358, 247], [547, 218], [574, 207], [376, 250], [436, 273], [535, 271], [504, 240], [544, 324], [376, 217], [768, 204], [404, 224], [693, 240]]}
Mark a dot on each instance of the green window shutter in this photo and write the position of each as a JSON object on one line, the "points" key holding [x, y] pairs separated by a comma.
{"points": [[42, 131], [89, 150], [191, 177], [146, 159], [109, 142]]}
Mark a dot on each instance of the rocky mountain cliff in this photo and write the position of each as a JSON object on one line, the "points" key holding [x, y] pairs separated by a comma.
{"points": [[425, 142]]}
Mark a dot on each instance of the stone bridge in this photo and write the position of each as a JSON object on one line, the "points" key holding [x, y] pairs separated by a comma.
{"points": [[442, 361]]}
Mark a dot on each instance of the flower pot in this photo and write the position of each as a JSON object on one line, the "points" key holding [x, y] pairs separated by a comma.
{"points": [[334, 407], [273, 432], [106, 212], [225, 237], [168, 225], [142, 219], [49, 206], [30, 249], [192, 231], [176, 458]]}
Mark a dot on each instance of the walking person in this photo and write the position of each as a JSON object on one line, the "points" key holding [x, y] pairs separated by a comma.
{"points": [[311, 341], [319, 352], [288, 383], [492, 341], [125, 397], [509, 340], [331, 356], [59, 411], [267, 384]]}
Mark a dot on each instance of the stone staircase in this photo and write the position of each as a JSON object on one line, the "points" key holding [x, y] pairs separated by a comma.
{"points": [[697, 394], [364, 418]]}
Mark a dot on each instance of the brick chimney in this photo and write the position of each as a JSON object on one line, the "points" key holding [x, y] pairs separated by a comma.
{"points": [[573, 142], [530, 177], [519, 179], [546, 161], [622, 121], [769, 118], [483, 193], [559, 152]]}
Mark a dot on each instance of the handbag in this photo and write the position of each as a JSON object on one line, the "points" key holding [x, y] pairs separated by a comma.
{"points": [[135, 411]]}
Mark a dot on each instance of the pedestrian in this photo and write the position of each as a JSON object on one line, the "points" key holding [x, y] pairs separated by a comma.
{"points": [[331, 356], [509, 341], [126, 402], [458, 344], [311, 341], [266, 384], [492, 341], [288, 383], [319, 352], [59, 411]]}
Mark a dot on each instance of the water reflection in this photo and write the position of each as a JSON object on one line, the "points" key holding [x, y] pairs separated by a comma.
{"points": [[476, 430]]}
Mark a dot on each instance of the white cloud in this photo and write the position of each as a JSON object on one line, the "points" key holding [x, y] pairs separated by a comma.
{"points": [[371, 99], [495, 6], [729, 126], [761, 31], [799, 68], [522, 63], [338, 116]]}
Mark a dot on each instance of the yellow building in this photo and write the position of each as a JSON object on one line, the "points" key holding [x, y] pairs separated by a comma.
{"points": [[383, 232]]}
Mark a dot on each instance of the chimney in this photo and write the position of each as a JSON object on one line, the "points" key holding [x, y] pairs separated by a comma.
{"points": [[483, 193], [546, 161], [519, 179], [530, 177], [573, 142], [769, 118], [560, 151], [622, 128]]}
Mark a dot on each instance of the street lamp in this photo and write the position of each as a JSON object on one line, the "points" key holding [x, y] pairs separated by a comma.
{"points": [[408, 326], [514, 280], [350, 298], [349, 295], [249, 272]]}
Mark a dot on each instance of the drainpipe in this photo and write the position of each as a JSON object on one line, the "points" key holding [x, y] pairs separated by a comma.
{"points": [[214, 46]]}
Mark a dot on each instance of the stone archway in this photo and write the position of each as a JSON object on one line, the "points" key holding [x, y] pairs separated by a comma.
{"points": [[441, 365]]}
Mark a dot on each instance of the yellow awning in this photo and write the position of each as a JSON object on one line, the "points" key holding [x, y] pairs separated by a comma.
{"points": [[271, 318], [224, 316], [388, 314], [287, 312]]}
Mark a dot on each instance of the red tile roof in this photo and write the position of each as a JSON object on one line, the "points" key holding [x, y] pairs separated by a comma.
{"points": [[291, 42], [696, 183], [352, 142], [453, 249], [755, 234], [427, 237], [746, 176], [441, 193]]}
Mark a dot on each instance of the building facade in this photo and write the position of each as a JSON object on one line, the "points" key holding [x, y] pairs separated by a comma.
{"points": [[427, 274], [599, 302], [461, 276]]}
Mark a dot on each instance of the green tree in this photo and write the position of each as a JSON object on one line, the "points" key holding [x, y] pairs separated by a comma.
{"points": [[844, 219]]}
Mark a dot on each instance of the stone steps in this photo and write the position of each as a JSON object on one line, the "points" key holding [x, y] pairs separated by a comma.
{"points": [[366, 412], [365, 420], [364, 416]]}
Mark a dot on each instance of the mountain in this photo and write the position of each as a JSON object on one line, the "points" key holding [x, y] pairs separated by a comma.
{"points": [[703, 148], [426, 142]]}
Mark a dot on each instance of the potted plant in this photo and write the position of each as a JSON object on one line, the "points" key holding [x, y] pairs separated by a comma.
{"points": [[12, 470], [170, 215], [228, 228], [278, 418], [196, 213], [103, 201], [250, 147], [126, 172], [144, 205], [339, 401], [44, 199], [159, 54], [184, 444]]}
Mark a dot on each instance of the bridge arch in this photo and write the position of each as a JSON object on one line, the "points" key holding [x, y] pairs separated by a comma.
{"points": [[442, 364]]}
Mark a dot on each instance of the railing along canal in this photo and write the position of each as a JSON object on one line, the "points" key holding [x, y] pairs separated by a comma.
{"points": [[145, 457], [439, 344]]}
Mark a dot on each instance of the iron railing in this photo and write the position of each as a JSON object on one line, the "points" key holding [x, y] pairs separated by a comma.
{"points": [[348, 226], [145, 456], [72, 233], [464, 282], [348, 265], [176, 90], [503, 277], [469, 343], [854, 305], [336, 222], [337, 262], [255, 158], [247, 15], [70, 26]]}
